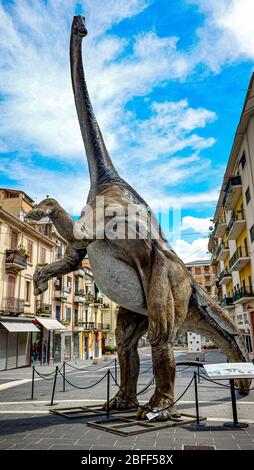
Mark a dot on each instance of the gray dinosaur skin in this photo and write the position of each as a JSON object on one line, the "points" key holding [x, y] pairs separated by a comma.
{"points": [[144, 276]]}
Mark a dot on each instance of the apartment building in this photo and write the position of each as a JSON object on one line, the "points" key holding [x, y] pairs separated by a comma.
{"points": [[232, 240], [204, 274], [23, 336], [71, 320]]}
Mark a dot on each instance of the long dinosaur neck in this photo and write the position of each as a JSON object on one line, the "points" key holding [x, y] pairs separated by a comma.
{"points": [[101, 168]]}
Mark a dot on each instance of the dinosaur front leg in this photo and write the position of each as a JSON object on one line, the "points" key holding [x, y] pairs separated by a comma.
{"points": [[69, 263], [130, 327]]}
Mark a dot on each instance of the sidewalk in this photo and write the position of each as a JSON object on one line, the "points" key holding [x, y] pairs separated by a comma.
{"points": [[50, 432]]}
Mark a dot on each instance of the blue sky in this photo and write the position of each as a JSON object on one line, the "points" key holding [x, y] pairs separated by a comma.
{"points": [[167, 80]]}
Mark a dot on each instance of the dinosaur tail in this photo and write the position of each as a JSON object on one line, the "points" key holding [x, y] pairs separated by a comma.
{"points": [[214, 323]]}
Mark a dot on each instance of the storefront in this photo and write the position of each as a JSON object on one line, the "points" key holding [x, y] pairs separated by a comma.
{"points": [[47, 343], [15, 342]]}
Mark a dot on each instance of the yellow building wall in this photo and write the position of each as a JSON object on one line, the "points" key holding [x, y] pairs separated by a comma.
{"points": [[240, 239], [239, 203], [245, 273]]}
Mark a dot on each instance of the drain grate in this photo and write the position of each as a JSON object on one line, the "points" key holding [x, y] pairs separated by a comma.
{"points": [[188, 447]]}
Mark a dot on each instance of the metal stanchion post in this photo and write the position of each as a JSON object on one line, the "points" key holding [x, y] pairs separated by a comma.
{"points": [[198, 374], [32, 393], [115, 369], [64, 376], [54, 387], [196, 396], [108, 391], [235, 423]]}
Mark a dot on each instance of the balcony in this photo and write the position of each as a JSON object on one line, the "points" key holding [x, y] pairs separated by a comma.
{"points": [[242, 295], [220, 227], [225, 277], [89, 326], [43, 309], [232, 192], [61, 294], [222, 251], [79, 296], [79, 272], [98, 301], [239, 259], [89, 299], [227, 302], [236, 225], [16, 260], [12, 306]]}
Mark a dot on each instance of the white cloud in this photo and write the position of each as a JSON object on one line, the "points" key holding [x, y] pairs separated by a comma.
{"points": [[70, 189], [192, 251], [227, 33], [38, 115], [197, 224]]}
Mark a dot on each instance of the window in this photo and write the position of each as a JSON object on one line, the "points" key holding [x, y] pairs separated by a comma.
{"points": [[43, 255], [197, 270], [68, 314], [207, 269], [11, 287], [243, 160], [58, 312], [30, 251], [69, 283], [14, 240], [76, 316], [59, 250], [27, 291], [247, 195], [252, 233]]}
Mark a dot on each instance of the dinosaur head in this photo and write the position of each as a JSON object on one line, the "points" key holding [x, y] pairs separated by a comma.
{"points": [[44, 209], [79, 26]]}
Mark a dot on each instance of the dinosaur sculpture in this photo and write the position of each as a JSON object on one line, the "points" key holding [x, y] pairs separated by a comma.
{"points": [[144, 276]]}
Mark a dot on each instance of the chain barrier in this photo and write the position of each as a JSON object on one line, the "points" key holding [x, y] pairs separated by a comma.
{"points": [[146, 387], [88, 367], [44, 376], [82, 388], [144, 371]]}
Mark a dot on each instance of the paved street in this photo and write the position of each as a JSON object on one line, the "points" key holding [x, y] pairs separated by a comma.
{"points": [[27, 424]]}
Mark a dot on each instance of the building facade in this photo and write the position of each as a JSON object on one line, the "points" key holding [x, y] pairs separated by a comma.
{"points": [[232, 240], [71, 320], [204, 274]]}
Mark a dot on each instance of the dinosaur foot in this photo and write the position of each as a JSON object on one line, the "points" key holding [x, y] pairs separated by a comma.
{"points": [[40, 281], [164, 413], [120, 402]]}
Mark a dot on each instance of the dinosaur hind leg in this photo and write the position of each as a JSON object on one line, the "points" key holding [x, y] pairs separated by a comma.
{"points": [[167, 308], [130, 327]]}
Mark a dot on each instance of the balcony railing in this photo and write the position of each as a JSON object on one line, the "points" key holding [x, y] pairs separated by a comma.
{"points": [[223, 247], [224, 277], [11, 305], [226, 302], [87, 325], [60, 294], [234, 262], [43, 308], [233, 182], [15, 260], [219, 227], [236, 225], [243, 292]]}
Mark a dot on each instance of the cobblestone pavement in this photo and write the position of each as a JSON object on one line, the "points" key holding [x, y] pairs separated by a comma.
{"points": [[27, 424]]}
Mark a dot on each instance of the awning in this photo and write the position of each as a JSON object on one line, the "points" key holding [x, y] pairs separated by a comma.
{"points": [[18, 326], [50, 324]]}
